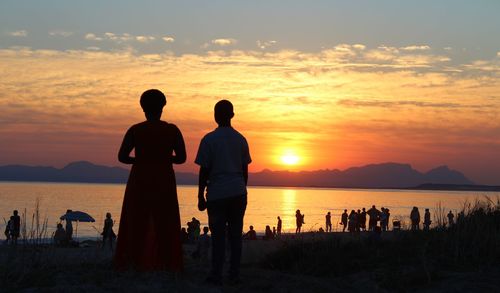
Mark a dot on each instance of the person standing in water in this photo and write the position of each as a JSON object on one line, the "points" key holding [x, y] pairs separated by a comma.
{"points": [[148, 235], [223, 157]]}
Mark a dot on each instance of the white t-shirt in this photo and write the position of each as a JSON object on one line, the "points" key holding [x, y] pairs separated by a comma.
{"points": [[224, 152]]}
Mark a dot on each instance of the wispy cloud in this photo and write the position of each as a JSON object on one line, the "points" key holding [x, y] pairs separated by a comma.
{"points": [[92, 37], [19, 33], [60, 33], [224, 42], [144, 39], [266, 44], [416, 48], [168, 39]]}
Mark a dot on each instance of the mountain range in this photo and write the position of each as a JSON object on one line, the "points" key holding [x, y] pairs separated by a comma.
{"points": [[384, 175]]}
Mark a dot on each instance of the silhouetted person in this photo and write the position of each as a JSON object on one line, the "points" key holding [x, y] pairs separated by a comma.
{"points": [[274, 232], [374, 217], [184, 235], [150, 205], [343, 220], [358, 221], [69, 227], [362, 220], [299, 220], [7, 231], [353, 219], [15, 226], [203, 245], [279, 227], [451, 217], [108, 235], [223, 157], [268, 234], [388, 217], [383, 219], [60, 237], [415, 219], [196, 228], [328, 222], [427, 220], [251, 234]]}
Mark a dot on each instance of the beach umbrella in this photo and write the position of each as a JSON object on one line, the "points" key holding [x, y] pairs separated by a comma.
{"points": [[77, 216]]}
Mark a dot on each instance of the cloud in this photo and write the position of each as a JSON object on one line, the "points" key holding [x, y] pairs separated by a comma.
{"points": [[92, 37], [361, 107], [224, 42], [20, 33], [266, 44], [93, 48], [59, 33], [120, 38], [144, 39], [359, 46], [168, 39], [416, 48]]}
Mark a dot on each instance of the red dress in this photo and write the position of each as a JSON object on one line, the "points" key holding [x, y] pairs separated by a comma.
{"points": [[149, 233]]}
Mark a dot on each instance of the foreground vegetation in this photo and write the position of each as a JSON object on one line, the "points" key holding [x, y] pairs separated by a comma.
{"points": [[409, 260], [465, 257]]}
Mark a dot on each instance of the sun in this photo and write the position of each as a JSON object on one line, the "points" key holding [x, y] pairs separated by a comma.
{"points": [[289, 159]]}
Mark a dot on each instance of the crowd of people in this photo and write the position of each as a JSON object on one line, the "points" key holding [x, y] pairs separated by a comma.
{"points": [[359, 220]]}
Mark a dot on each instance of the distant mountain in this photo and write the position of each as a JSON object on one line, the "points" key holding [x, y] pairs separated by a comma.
{"points": [[77, 172], [385, 175]]}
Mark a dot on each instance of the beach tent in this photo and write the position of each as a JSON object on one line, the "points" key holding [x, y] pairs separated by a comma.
{"points": [[77, 216]]}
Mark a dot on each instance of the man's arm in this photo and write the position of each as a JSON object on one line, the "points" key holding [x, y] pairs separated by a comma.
{"points": [[202, 184], [245, 173]]}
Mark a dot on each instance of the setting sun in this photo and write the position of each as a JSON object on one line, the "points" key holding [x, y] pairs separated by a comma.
{"points": [[290, 159]]}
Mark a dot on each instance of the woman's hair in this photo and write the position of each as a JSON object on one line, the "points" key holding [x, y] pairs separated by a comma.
{"points": [[153, 101]]}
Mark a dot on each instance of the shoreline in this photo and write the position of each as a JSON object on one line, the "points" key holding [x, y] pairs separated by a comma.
{"points": [[424, 187]]}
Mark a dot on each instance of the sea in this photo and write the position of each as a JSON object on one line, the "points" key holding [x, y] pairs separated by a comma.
{"points": [[264, 204]]}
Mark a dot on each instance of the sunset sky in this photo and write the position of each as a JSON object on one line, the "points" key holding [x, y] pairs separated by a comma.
{"points": [[315, 84]]}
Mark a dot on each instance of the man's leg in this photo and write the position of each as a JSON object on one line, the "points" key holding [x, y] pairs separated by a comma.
{"points": [[236, 212], [217, 218]]}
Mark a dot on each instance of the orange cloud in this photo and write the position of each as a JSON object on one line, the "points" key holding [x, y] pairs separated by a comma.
{"points": [[336, 108]]}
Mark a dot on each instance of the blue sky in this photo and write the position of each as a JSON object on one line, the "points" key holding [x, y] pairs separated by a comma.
{"points": [[467, 26]]}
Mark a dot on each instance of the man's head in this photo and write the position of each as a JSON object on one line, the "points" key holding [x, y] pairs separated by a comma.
{"points": [[205, 230], [15, 212], [152, 103], [223, 113]]}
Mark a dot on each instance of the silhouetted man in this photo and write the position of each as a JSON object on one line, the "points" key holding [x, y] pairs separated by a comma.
{"points": [[374, 217], [450, 216], [279, 226], [223, 157], [328, 222], [15, 226], [343, 220]]}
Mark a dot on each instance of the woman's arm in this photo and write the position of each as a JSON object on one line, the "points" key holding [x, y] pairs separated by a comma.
{"points": [[179, 156], [125, 149]]}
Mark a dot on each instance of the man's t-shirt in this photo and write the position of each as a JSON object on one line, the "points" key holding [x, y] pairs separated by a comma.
{"points": [[224, 152]]}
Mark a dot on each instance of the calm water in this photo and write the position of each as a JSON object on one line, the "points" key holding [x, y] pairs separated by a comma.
{"points": [[264, 203]]}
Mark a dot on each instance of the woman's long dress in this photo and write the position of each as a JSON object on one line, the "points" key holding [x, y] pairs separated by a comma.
{"points": [[149, 232]]}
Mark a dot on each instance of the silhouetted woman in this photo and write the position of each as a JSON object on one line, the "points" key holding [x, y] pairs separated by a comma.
{"points": [[299, 220], [148, 236]]}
